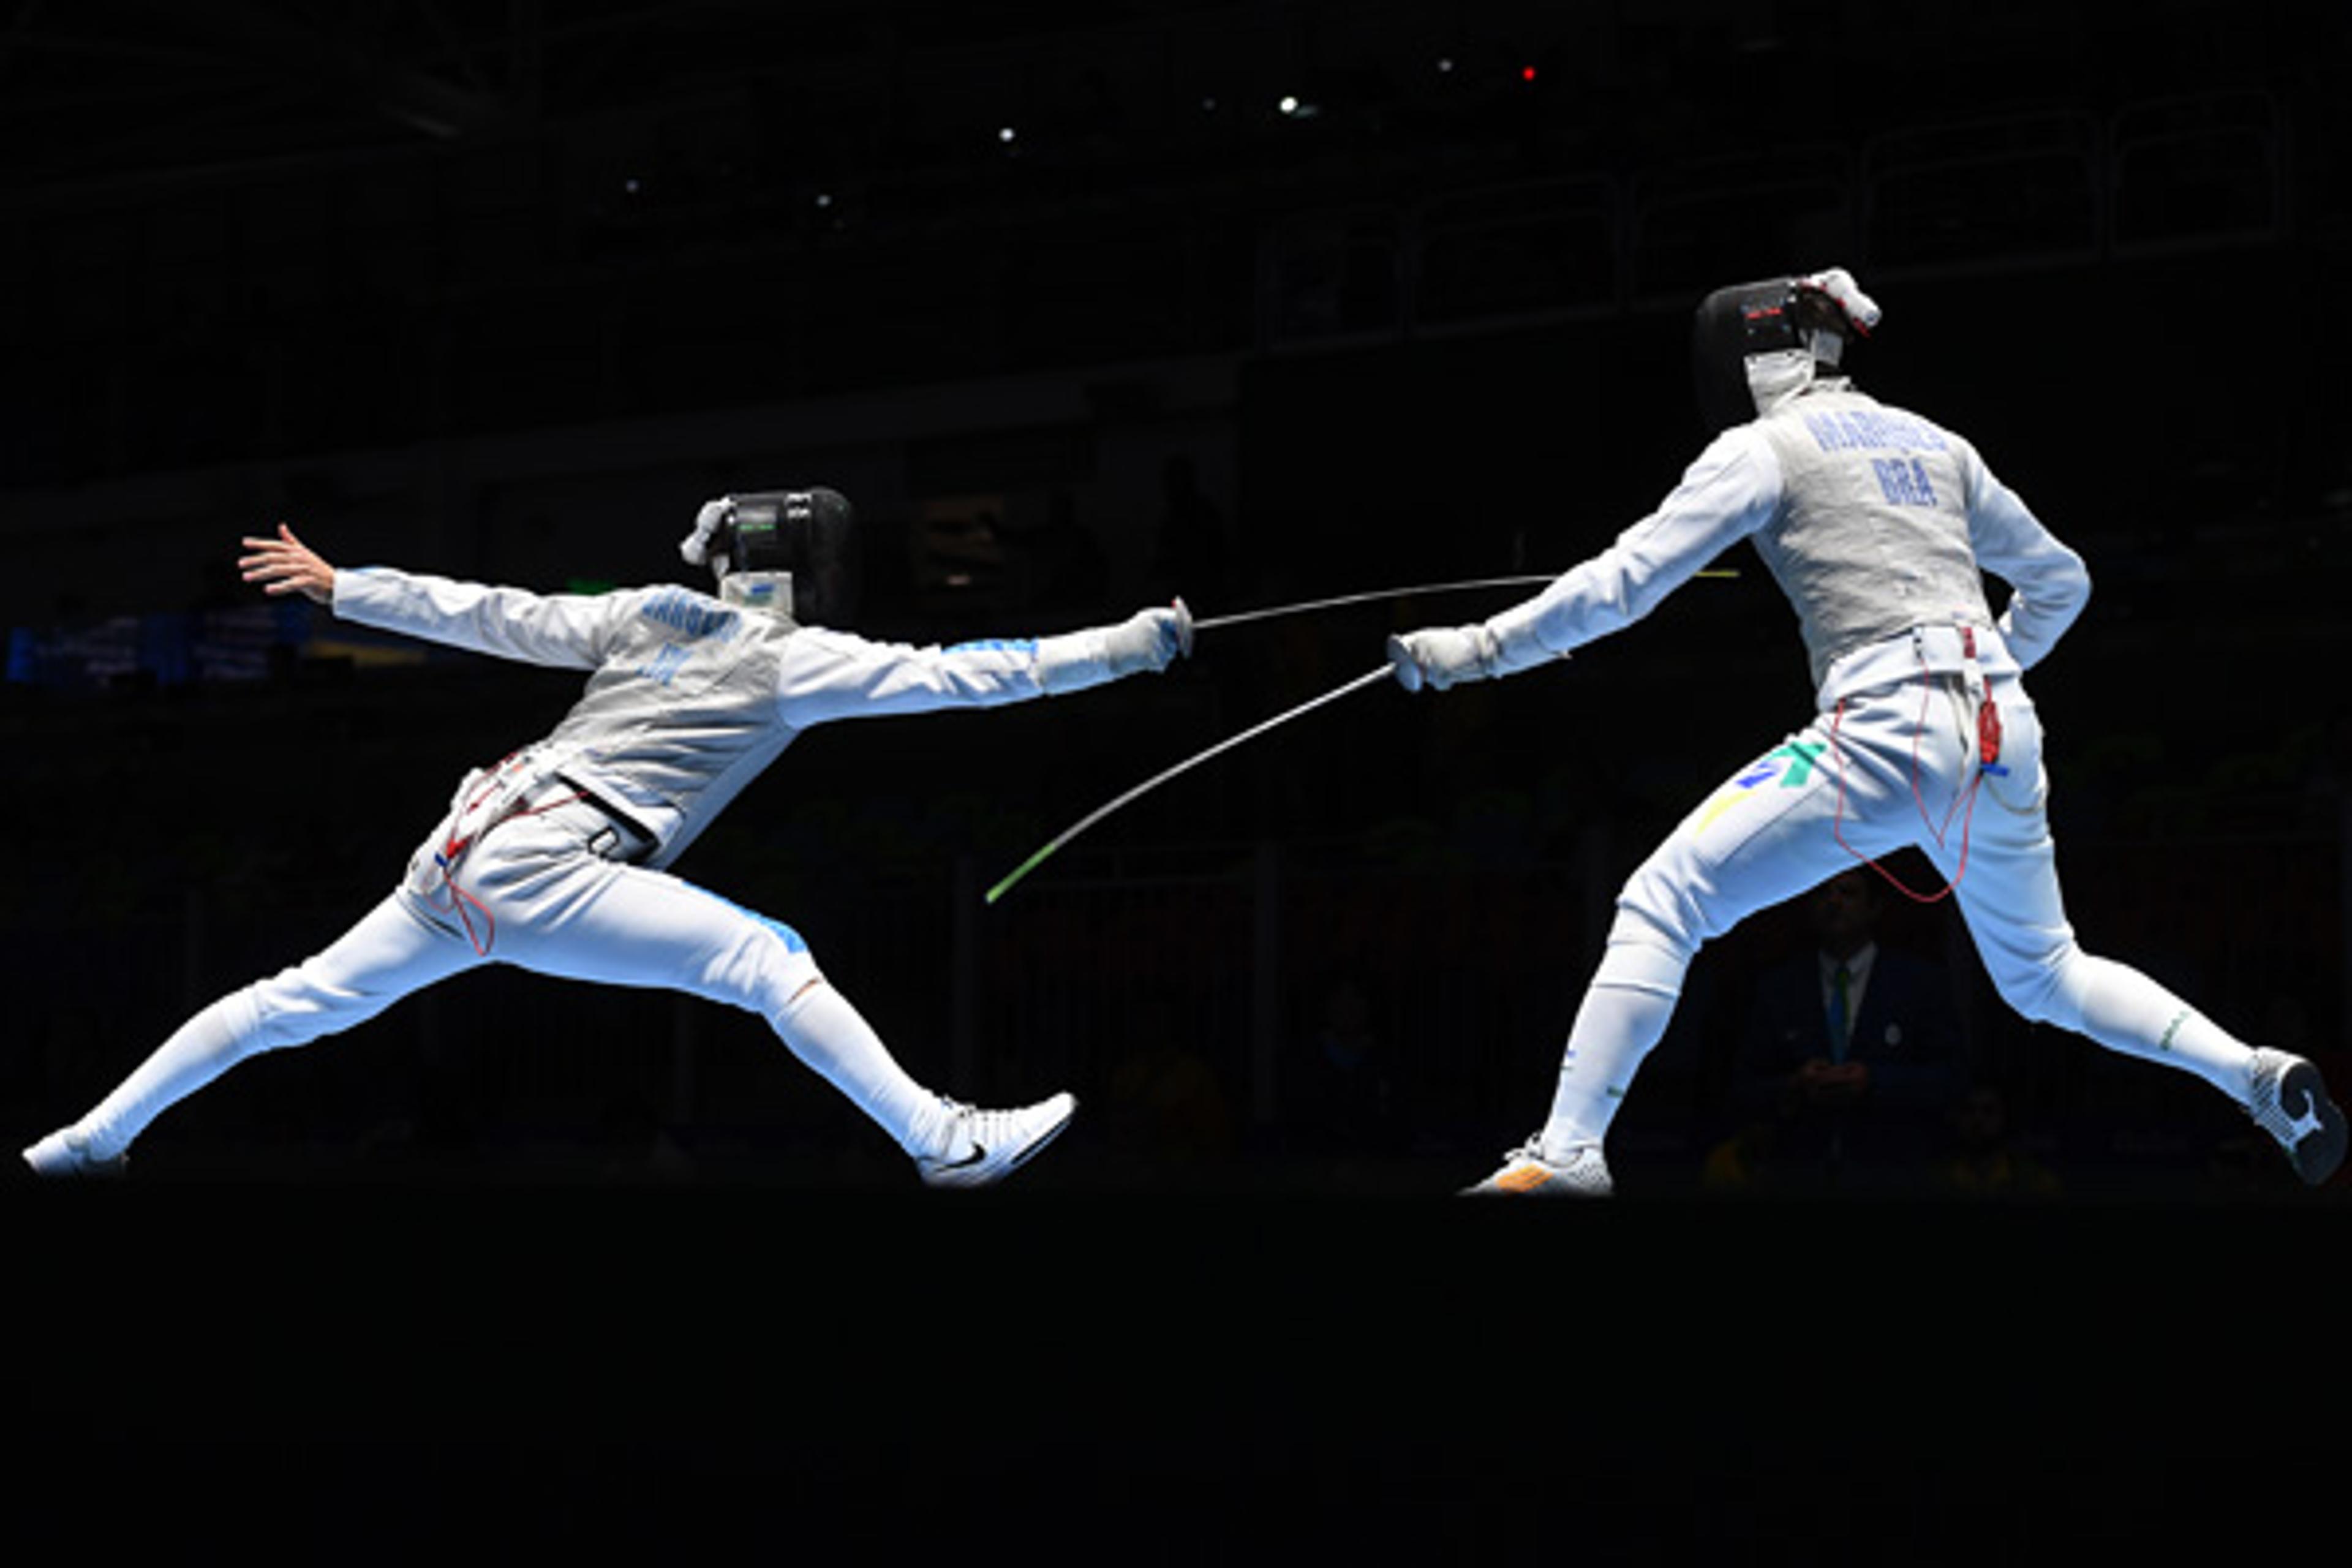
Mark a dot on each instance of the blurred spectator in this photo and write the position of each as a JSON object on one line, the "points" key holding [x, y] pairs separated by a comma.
{"points": [[1986, 1158], [1850, 1059], [1168, 1112]]}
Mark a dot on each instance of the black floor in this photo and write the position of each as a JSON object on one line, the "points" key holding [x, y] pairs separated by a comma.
{"points": [[388, 1372]]}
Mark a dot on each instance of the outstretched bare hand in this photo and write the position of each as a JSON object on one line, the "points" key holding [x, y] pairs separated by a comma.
{"points": [[287, 565]]}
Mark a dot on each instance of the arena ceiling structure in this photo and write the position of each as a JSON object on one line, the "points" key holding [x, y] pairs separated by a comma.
{"points": [[115, 90], [236, 197]]}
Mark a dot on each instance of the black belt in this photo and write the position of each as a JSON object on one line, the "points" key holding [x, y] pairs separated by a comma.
{"points": [[622, 824]]}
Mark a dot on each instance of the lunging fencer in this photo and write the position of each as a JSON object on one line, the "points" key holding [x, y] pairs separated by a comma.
{"points": [[554, 859], [1878, 525]]}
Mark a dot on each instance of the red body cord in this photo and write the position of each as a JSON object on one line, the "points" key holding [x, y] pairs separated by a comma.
{"points": [[455, 847], [1988, 752]]}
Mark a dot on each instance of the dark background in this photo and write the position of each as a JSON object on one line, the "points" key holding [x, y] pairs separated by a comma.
{"points": [[506, 291]]}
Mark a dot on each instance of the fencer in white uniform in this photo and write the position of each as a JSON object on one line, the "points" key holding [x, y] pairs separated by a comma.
{"points": [[554, 858], [1877, 525]]}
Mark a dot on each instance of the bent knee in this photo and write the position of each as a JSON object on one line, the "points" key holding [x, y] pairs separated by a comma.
{"points": [[1637, 926], [768, 966], [2047, 990], [1642, 954]]}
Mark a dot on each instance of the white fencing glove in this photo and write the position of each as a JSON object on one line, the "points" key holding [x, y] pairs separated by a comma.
{"points": [[1149, 640], [1444, 657], [1145, 641]]}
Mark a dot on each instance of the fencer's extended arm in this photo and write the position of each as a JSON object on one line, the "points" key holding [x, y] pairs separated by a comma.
{"points": [[1729, 491], [2050, 585], [1146, 641], [569, 631], [833, 675]]}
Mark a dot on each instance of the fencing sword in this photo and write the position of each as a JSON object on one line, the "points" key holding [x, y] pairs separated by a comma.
{"points": [[1367, 678], [1211, 623], [1384, 673]]}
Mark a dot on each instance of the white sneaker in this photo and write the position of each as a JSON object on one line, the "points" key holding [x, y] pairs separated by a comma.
{"points": [[63, 1154], [1583, 1174], [2289, 1101], [985, 1146]]}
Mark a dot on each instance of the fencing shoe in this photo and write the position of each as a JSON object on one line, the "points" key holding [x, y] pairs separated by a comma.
{"points": [[1583, 1174], [2288, 1100], [63, 1154], [985, 1146]]}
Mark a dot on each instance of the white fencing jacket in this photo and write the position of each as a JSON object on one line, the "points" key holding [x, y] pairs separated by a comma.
{"points": [[689, 698], [1873, 520]]}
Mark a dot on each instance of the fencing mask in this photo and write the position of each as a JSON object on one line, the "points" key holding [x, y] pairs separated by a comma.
{"points": [[792, 552], [1753, 345]]}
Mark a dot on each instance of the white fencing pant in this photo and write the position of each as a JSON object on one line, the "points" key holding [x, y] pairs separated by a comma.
{"points": [[1890, 769], [536, 892]]}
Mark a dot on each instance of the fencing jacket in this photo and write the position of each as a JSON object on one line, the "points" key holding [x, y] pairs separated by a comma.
{"points": [[1873, 520], [690, 697]]}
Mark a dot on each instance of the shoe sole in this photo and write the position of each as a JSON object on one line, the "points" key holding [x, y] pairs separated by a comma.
{"points": [[2316, 1154], [1030, 1151], [1534, 1182], [71, 1166]]}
